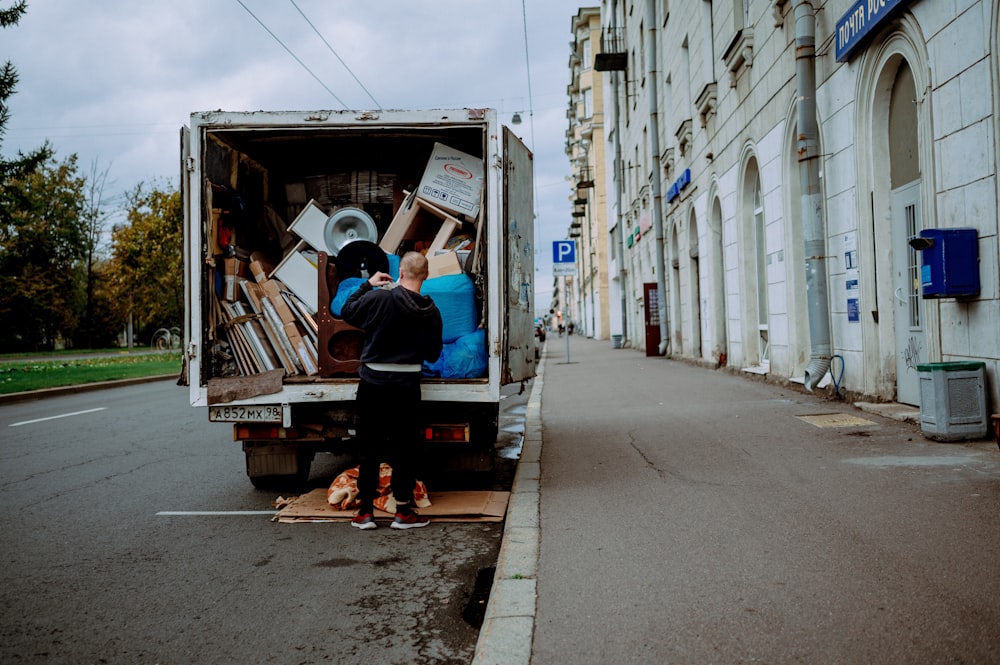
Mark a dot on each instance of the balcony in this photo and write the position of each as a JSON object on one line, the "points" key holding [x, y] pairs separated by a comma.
{"points": [[584, 178], [614, 55]]}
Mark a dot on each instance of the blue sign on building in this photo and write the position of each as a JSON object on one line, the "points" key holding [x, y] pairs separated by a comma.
{"points": [[859, 22], [683, 181]]}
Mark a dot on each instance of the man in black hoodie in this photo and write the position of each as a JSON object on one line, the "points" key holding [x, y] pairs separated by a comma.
{"points": [[402, 329]]}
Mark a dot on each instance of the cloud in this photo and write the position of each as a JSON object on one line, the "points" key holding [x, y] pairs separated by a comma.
{"points": [[114, 81]]}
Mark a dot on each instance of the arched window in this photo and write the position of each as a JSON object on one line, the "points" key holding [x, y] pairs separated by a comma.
{"points": [[754, 273], [760, 253]]}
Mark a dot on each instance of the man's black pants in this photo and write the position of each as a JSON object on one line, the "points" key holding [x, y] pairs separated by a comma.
{"points": [[387, 427]]}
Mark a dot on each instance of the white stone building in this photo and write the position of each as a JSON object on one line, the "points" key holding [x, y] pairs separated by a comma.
{"points": [[908, 122]]}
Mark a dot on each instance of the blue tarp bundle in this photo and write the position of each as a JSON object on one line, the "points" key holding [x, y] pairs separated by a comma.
{"points": [[455, 297], [344, 291], [465, 358]]}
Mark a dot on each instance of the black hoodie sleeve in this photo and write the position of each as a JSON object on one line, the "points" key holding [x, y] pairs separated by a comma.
{"points": [[354, 311]]}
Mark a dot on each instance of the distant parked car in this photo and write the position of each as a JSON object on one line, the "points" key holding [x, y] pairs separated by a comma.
{"points": [[539, 338]]}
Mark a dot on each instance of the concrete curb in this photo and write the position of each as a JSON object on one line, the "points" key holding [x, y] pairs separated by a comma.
{"points": [[29, 395], [509, 624]]}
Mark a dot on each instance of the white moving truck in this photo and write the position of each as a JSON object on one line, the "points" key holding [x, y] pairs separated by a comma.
{"points": [[282, 208]]}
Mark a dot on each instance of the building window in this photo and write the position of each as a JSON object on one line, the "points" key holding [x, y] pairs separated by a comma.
{"points": [[588, 103], [642, 53], [585, 46]]}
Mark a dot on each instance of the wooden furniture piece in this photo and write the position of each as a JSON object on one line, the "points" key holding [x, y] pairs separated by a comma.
{"points": [[340, 343], [405, 224]]}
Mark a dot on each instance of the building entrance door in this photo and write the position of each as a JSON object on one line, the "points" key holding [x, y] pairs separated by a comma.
{"points": [[908, 307], [651, 303]]}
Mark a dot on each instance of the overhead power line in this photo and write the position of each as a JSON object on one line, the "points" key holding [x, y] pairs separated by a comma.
{"points": [[292, 54], [320, 35]]}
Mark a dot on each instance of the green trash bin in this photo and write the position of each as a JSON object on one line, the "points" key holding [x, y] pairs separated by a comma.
{"points": [[953, 400]]}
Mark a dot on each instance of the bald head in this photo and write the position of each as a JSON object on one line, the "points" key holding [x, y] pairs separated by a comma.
{"points": [[412, 270]]}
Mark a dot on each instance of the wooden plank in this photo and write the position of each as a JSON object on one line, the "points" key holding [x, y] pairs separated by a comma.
{"points": [[221, 390]]}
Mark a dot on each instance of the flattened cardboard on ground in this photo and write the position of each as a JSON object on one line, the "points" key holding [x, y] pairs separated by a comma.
{"points": [[485, 506]]}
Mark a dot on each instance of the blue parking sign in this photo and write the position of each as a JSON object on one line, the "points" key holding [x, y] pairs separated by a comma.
{"points": [[564, 251]]}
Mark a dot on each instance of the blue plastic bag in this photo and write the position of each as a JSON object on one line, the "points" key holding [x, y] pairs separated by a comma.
{"points": [[344, 291], [455, 297], [465, 358], [394, 266]]}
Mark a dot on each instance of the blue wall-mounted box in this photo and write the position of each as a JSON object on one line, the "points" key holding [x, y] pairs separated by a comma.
{"points": [[949, 262]]}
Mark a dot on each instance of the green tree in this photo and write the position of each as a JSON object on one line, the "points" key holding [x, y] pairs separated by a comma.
{"points": [[23, 163], [145, 272], [41, 247]]}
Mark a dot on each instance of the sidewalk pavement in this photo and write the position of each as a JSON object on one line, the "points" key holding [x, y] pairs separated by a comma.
{"points": [[678, 514]]}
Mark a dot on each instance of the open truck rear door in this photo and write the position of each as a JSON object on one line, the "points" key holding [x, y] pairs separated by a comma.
{"points": [[519, 260]]}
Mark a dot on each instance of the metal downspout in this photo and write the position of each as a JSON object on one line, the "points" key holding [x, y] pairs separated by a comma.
{"points": [[622, 272], [654, 147], [813, 222]]}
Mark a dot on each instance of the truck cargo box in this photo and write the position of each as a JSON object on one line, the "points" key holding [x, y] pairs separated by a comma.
{"points": [[284, 209]]}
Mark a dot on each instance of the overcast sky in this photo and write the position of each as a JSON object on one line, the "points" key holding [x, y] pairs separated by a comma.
{"points": [[114, 80]]}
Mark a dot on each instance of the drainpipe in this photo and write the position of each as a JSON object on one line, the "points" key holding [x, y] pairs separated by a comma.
{"points": [[622, 272], [654, 147], [813, 222]]}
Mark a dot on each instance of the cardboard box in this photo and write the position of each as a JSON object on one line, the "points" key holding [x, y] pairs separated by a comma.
{"points": [[453, 180], [233, 271], [259, 271], [445, 263], [273, 293]]}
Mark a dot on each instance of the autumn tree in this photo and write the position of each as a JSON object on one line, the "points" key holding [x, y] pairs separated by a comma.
{"points": [[145, 271]]}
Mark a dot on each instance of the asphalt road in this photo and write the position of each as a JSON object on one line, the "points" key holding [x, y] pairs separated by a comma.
{"points": [[94, 572]]}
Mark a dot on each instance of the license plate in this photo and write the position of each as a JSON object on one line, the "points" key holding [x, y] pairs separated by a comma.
{"points": [[267, 413]]}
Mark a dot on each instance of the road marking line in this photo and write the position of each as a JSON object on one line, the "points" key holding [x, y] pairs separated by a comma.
{"points": [[199, 513], [63, 415]]}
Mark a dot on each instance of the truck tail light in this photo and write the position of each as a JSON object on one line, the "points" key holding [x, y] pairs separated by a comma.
{"points": [[245, 431], [449, 433]]}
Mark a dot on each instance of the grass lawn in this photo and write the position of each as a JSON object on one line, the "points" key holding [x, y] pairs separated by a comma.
{"points": [[35, 374]]}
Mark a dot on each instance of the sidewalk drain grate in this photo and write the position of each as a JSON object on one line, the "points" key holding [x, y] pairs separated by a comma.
{"points": [[835, 420]]}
